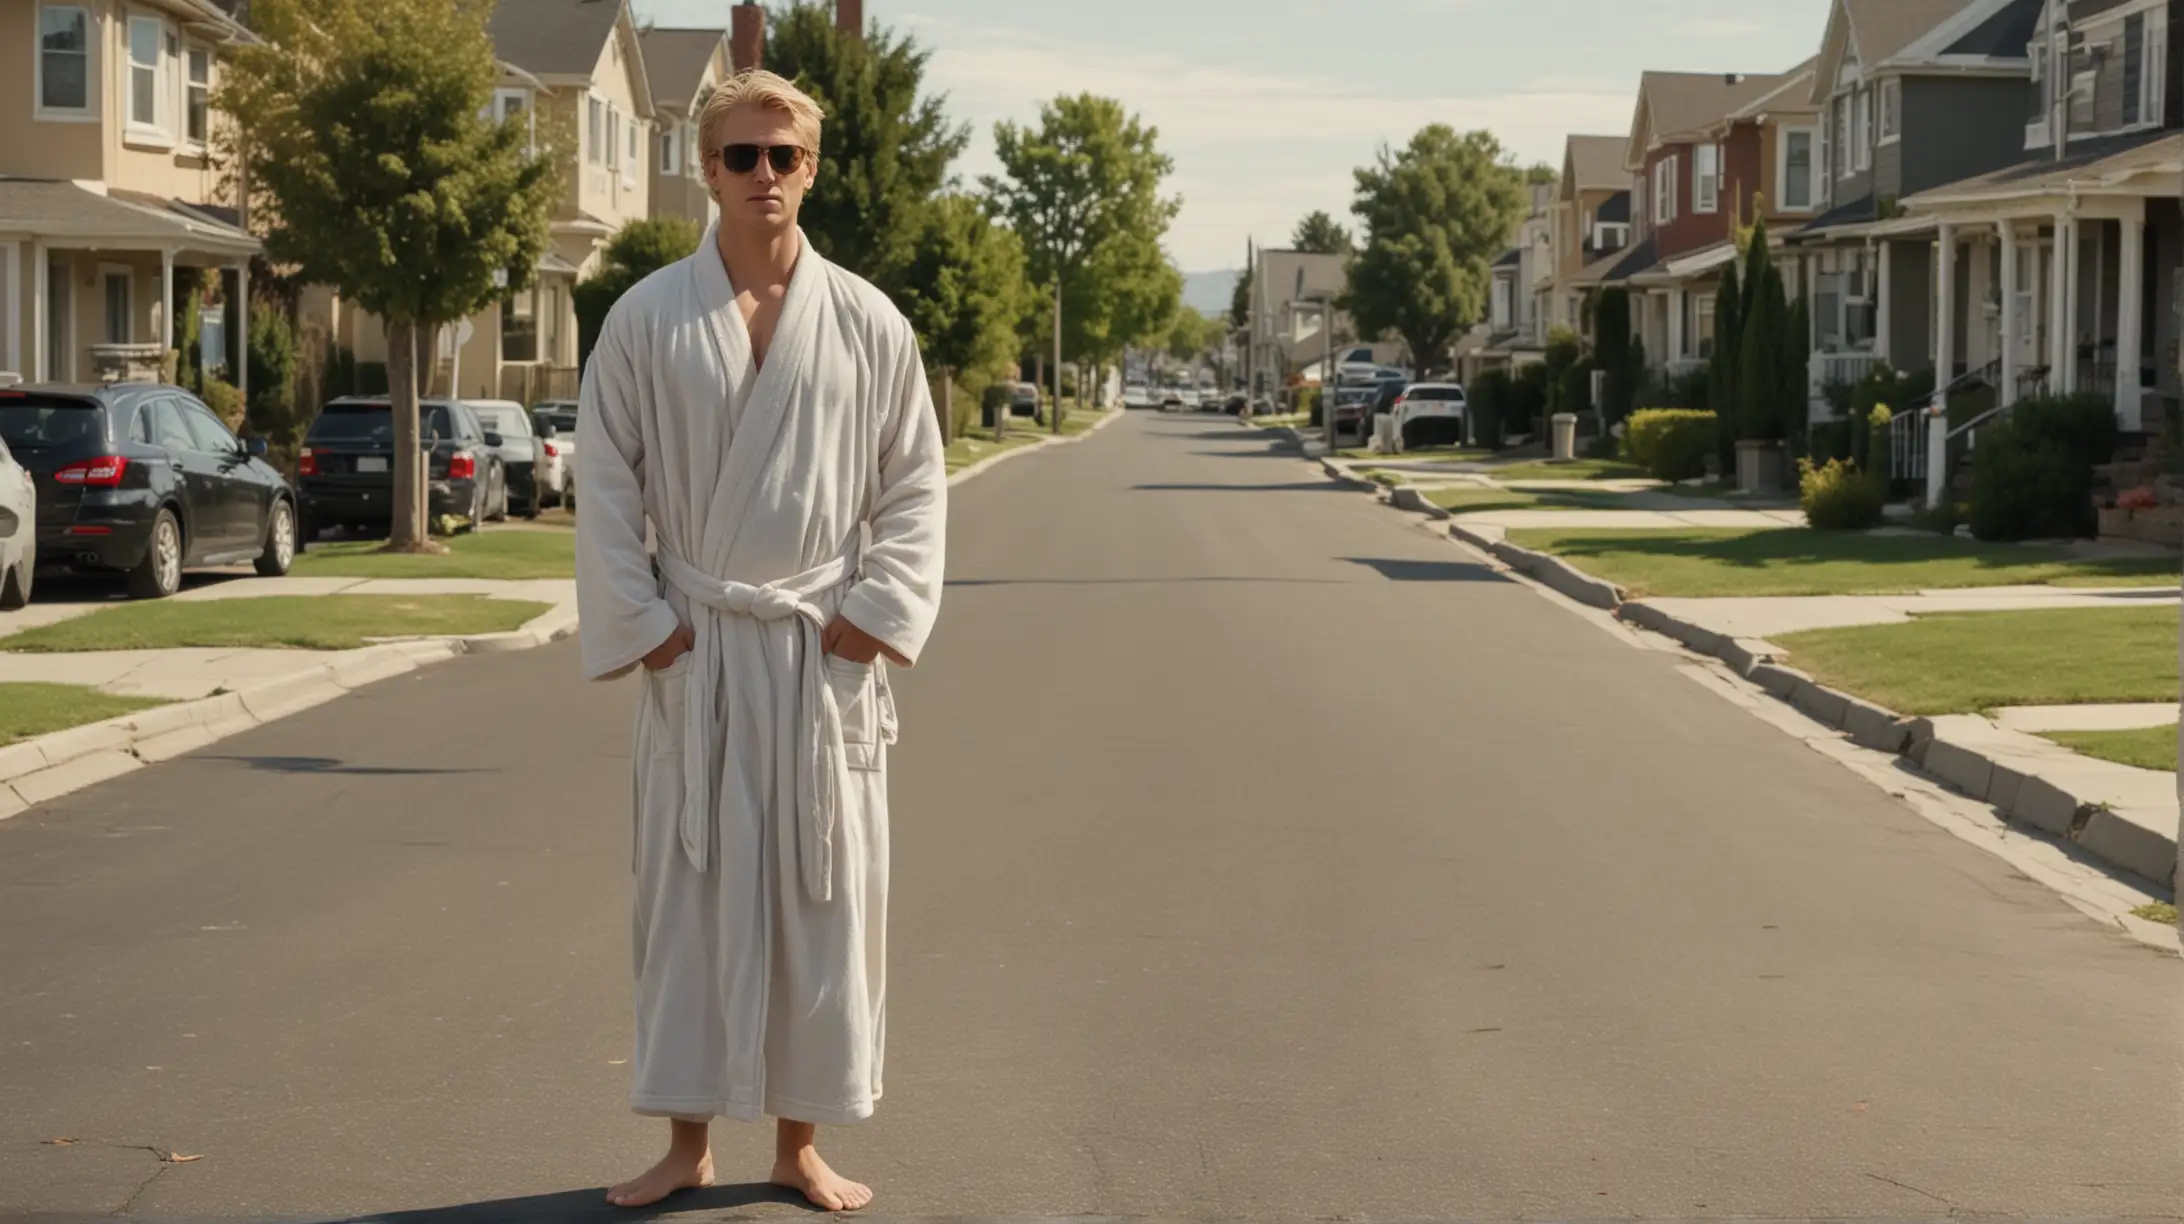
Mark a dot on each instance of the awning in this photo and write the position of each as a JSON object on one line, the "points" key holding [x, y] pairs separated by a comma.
{"points": [[70, 215], [1694, 265]]}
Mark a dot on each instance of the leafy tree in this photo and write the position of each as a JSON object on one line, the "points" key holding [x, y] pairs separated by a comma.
{"points": [[1082, 189], [362, 127], [1239, 310], [1796, 363], [1760, 379], [963, 290], [1722, 387], [888, 145], [1540, 174], [636, 251], [1318, 234], [1615, 354], [1436, 213], [1193, 335]]}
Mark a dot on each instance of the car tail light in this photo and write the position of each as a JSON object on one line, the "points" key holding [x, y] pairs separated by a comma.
{"points": [[552, 451], [104, 472], [307, 463], [462, 467]]}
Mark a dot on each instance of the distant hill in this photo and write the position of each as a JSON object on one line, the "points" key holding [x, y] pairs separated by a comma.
{"points": [[1209, 292]]}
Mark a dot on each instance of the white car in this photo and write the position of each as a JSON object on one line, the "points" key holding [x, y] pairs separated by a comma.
{"points": [[1139, 395], [18, 531], [557, 465], [1430, 414]]}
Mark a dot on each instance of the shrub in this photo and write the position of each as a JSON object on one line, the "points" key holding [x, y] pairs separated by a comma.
{"points": [[1692, 392], [225, 401], [1602, 446], [1670, 443], [1575, 393], [1839, 497], [2083, 424], [272, 359], [1878, 456], [1487, 400], [1526, 409], [2025, 486], [994, 401]]}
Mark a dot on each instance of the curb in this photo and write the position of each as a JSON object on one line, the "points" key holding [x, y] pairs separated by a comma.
{"points": [[1407, 497], [1046, 440], [47, 767], [1552, 571], [1971, 760], [1341, 475]]}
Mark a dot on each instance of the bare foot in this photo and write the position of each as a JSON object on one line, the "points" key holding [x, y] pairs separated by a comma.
{"points": [[810, 1176], [677, 1170]]}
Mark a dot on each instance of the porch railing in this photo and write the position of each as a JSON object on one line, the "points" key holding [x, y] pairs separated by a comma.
{"points": [[1911, 434], [1830, 369]]}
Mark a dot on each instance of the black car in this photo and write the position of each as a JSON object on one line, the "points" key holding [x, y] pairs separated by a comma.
{"points": [[141, 479], [347, 465], [520, 452]]}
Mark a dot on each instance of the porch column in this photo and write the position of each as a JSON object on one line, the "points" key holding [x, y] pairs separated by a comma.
{"points": [[1881, 346], [1675, 326], [1945, 346], [2010, 321], [241, 322], [2130, 316], [2059, 318], [163, 323], [39, 323], [1976, 346], [15, 308]]}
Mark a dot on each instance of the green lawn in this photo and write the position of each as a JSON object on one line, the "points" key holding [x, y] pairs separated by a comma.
{"points": [[36, 709], [1703, 562], [1080, 420], [301, 622], [977, 444], [2144, 747], [1965, 662], [508, 553], [1462, 500], [1575, 469], [1424, 454]]}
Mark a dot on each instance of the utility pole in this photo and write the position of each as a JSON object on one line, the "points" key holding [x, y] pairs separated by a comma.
{"points": [[1057, 423]]}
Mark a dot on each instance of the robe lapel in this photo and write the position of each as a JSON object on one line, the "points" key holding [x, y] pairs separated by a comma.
{"points": [[758, 432]]}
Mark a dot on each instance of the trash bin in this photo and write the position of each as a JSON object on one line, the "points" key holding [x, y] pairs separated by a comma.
{"points": [[988, 413], [1565, 427]]}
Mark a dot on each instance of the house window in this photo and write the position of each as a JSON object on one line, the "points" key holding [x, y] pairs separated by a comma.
{"points": [[1842, 154], [519, 326], [1864, 130], [1796, 169], [636, 154], [117, 285], [1702, 327], [198, 96], [145, 35], [1706, 178], [64, 58], [1891, 110], [595, 113], [671, 150], [1501, 303], [694, 164], [1664, 190], [1610, 236], [611, 135], [2153, 76], [2081, 100]]}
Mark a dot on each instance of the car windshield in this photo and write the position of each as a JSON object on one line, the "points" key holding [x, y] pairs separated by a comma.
{"points": [[562, 419], [374, 423], [1436, 393], [505, 421], [41, 422]]}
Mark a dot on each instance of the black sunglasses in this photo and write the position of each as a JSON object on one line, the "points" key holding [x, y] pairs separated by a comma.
{"points": [[743, 158]]}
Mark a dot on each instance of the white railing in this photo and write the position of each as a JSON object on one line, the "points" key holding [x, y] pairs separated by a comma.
{"points": [[1908, 439], [1829, 369]]}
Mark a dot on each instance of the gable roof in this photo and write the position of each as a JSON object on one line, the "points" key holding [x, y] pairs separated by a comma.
{"points": [[1673, 106], [1922, 33], [1881, 28], [675, 60], [2002, 34], [1593, 163], [559, 37]]}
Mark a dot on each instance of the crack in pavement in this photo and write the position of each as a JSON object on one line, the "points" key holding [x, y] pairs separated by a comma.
{"points": [[1915, 1190]]}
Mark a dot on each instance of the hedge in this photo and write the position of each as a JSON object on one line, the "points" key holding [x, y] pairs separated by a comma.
{"points": [[1670, 443]]}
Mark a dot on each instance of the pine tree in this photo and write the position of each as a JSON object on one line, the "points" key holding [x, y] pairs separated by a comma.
{"points": [[1722, 389]]}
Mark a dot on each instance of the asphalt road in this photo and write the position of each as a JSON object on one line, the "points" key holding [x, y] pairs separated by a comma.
{"points": [[1257, 856]]}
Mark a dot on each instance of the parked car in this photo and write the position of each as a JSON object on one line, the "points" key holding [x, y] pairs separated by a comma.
{"points": [[1431, 414], [1233, 403], [520, 451], [1023, 399], [1139, 395], [1353, 402], [348, 472], [560, 447], [141, 479], [18, 531]]}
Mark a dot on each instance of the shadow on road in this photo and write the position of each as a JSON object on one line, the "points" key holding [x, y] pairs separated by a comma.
{"points": [[330, 765], [576, 1206], [1246, 581], [1428, 571], [1316, 486]]}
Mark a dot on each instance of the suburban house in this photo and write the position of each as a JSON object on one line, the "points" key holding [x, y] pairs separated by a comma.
{"points": [[1709, 154], [684, 66], [108, 185], [1589, 227], [2085, 230], [1519, 291], [1913, 95], [576, 64], [1292, 308]]}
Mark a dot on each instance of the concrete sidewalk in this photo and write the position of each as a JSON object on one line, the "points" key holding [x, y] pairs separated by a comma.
{"points": [[1771, 616], [1690, 514], [243, 585]]}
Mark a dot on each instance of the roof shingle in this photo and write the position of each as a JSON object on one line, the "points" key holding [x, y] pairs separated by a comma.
{"points": [[675, 60], [553, 37]]}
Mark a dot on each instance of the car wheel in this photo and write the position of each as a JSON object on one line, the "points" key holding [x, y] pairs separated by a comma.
{"points": [[159, 574], [15, 585], [280, 540]]}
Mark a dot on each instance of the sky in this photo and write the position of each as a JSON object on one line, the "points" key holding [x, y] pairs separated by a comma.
{"points": [[1267, 106]]}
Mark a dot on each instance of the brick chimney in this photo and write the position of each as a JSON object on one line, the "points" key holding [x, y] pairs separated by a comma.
{"points": [[849, 17], [747, 37]]}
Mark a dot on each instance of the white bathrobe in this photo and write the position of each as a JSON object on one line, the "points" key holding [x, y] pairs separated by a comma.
{"points": [[778, 497]]}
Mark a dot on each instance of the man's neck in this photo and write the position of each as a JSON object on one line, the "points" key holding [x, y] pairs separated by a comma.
{"points": [[756, 259]]}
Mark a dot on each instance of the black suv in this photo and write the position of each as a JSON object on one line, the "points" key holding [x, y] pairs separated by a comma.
{"points": [[347, 465], [142, 479]]}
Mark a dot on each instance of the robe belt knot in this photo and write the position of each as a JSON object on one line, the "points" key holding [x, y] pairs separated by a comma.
{"points": [[821, 756]]}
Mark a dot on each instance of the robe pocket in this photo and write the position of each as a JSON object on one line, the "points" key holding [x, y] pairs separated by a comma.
{"points": [[665, 692], [856, 696]]}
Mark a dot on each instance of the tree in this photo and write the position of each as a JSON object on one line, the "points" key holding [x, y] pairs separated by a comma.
{"points": [[1318, 234], [887, 147], [636, 251], [1192, 335], [1239, 310], [1082, 189], [1722, 387], [1760, 378], [1540, 174], [362, 127], [1435, 213], [1614, 353], [963, 291], [1796, 363]]}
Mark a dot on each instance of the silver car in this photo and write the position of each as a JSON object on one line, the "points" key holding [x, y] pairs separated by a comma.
{"points": [[18, 531]]}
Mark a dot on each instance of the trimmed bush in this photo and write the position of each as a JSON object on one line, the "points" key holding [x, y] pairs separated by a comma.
{"points": [[1879, 453], [1839, 497], [225, 401], [1670, 443], [1526, 410], [1487, 400], [2025, 486], [2082, 424]]}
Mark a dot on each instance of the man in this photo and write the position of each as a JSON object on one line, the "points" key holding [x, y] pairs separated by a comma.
{"points": [[764, 411]]}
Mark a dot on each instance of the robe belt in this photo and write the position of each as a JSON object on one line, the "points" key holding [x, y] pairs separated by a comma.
{"points": [[821, 757]]}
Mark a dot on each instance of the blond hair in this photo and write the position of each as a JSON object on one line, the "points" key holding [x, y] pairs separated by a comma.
{"points": [[758, 87]]}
